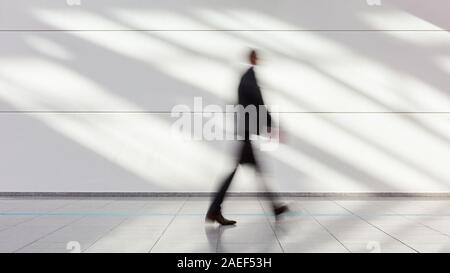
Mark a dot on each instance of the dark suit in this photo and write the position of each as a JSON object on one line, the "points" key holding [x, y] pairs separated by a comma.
{"points": [[249, 94]]}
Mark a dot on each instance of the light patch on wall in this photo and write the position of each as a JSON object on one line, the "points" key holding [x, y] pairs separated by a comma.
{"points": [[209, 43], [47, 47], [313, 46], [158, 19], [402, 21], [444, 63], [396, 20], [318, 177]]}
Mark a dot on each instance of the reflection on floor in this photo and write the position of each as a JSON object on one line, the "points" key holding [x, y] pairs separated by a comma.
{"points": [[177, 225]]}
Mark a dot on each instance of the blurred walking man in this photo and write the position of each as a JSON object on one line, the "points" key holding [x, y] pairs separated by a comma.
{"points": [[249, 95]]}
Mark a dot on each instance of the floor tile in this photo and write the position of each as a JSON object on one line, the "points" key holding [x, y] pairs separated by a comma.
{"points": [[184, 248], [249, 248]]}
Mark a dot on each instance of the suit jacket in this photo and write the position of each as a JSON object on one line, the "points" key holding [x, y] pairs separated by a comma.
{"points": [[249, 94]]}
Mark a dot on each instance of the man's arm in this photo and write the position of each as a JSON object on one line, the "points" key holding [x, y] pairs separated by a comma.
{"points": [[260, 103]]}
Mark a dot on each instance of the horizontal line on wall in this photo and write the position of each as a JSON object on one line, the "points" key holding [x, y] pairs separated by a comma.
{"points": [[232, 194], [225, 30], [211, 112]]}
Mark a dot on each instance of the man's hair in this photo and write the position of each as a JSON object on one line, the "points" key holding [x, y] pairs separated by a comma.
{"points": [[252, 54]]}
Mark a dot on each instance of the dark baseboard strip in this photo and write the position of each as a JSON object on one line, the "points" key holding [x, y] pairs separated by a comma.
{"points": [[233, 194]]}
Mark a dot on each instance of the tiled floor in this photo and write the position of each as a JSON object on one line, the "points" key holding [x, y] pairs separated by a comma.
{"points": [[177, 225]]}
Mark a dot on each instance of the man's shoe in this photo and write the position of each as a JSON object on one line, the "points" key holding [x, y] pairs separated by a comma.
{"points": [[218, 217]]}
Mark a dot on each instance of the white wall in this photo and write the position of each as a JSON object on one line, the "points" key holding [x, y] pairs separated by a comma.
{"points": [[86, 93]]}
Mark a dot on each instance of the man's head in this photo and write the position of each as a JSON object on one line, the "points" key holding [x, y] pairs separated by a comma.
{"points": [[253, 57]]}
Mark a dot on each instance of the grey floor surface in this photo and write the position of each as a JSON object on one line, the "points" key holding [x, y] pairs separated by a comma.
{"points": [[169, 224]]}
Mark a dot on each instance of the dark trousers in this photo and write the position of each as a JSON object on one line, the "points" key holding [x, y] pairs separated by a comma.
{"points": [[246, 156]]}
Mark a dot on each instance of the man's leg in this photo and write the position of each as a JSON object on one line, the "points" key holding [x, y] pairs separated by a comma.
{"points": [[276, 206], [215, 207], [214, 211]]}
